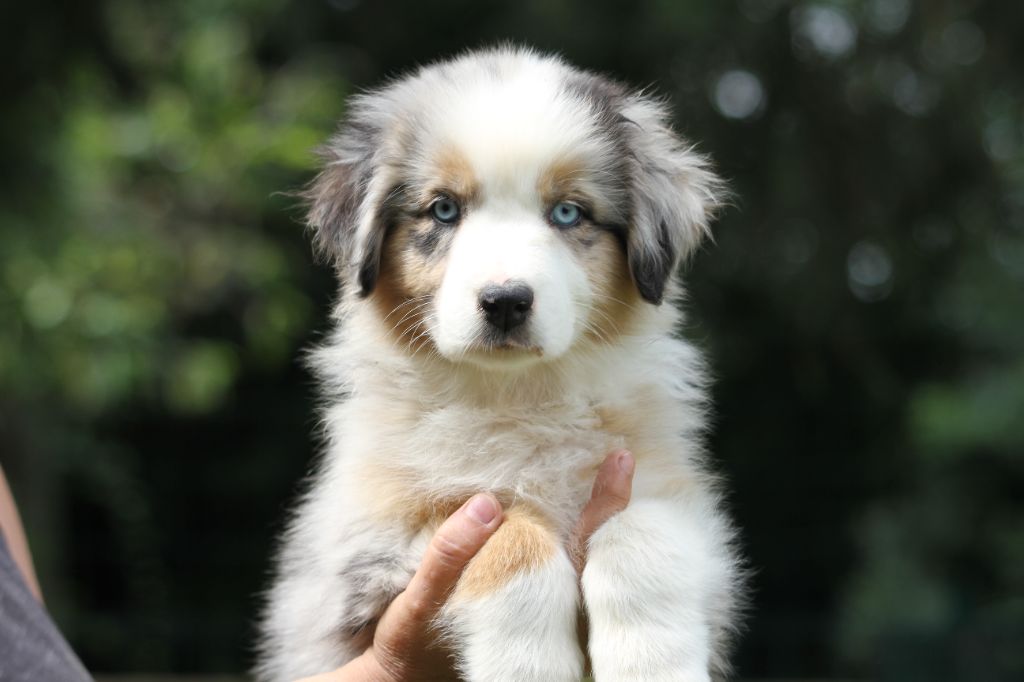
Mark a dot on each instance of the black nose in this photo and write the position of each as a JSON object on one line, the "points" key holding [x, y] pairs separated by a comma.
{"points": [[506, 306]]}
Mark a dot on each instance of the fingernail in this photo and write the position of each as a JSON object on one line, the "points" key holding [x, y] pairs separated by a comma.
{"points": [[482, 508], [626, 463]]}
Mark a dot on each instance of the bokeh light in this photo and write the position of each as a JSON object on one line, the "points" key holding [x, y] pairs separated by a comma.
{"points": [[738, 94]]}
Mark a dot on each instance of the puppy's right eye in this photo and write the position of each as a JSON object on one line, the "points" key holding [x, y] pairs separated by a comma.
{"points": [[445, 210], [566, 214]]}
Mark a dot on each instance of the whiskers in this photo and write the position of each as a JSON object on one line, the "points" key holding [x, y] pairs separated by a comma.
{"points": [[416, 303], [600, 324], [416, 312], [411, 307]]}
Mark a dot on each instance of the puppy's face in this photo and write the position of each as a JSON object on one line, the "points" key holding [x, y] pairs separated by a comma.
{"points": [[505, 244], [503, 209]]}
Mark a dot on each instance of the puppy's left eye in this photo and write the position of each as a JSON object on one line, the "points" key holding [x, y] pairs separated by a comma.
{"points": [[445, 210], [566, 214]]}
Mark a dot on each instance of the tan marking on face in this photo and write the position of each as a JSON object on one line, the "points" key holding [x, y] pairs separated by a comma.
{"points": [[616, 299], [408, 280], [452, 175], [523, 542], [563, 180]]}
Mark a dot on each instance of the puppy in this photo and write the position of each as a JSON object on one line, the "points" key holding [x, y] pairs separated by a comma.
{"points": [[506, 229]]}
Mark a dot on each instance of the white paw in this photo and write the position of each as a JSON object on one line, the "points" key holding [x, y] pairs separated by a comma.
{"points": [[522, 664], [524, 632], [642, 671]]}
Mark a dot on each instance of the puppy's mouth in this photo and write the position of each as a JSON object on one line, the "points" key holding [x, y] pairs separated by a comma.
{"points": [[503, 351], [515, 347], [515, 341]]}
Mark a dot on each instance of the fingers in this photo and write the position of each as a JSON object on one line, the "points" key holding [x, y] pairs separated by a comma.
{"points": [[404, 640], [610, 495], [453, 545], [403, 645], [612, 489]]}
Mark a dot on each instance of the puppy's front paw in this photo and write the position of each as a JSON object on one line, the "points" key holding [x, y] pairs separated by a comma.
{"points": [[651, 590], [504, 653], [523, 632], [637, 640], [513, 615], [635, 669]]}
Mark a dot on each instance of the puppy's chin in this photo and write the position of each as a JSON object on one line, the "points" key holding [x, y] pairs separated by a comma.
{"points": [[507, 353], [504, 358]]}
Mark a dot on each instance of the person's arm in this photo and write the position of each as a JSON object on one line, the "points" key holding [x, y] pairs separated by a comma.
{"points": [[403, 645], [14, 534]]}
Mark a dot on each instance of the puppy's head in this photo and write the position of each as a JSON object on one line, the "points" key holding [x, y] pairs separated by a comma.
{"points": [[504, 208]]}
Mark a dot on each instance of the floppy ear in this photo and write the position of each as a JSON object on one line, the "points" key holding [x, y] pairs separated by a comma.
{"points": [[674, 194], [346, 201]]}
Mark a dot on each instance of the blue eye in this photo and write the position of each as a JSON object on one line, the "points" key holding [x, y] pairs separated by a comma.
{"points": [[565, 214], [445, 210]]}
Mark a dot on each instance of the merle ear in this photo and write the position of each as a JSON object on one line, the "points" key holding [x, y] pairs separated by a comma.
{"points": [[345, 203], [674, 194]]}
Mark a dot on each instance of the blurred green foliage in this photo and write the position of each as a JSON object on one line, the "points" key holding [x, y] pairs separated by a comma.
{"points": [[863, 303]]}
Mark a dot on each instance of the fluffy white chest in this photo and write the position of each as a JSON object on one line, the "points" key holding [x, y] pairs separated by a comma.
{"points": [[545, 456]]}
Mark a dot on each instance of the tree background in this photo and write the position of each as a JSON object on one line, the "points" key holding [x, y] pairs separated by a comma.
{"points": [[862, 305]]}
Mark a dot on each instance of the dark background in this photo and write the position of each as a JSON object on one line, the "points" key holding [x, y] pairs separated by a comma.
{"points": [[862, 304]]}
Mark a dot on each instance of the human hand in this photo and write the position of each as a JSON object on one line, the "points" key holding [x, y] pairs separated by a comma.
{"points": [[612, 489], [404, 645]]}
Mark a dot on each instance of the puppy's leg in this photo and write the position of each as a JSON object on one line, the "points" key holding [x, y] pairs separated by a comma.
{"points": [[658, 587], [513, 614], [323, 607]]}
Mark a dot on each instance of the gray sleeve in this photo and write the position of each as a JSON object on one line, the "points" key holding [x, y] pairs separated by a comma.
{"points": [[31, 647]]}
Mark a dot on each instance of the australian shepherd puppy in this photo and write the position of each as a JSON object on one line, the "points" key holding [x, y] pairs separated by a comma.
{"points": [[507, 230]]}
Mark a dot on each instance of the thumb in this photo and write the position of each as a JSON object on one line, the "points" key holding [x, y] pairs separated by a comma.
{"points": [[457, 541]]}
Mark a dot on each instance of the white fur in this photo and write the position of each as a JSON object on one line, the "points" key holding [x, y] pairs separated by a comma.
{"points": [[525, 631], [654, 577], [407, 429]]}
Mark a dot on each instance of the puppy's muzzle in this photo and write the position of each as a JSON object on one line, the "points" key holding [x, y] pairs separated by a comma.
{"points": [[506, 306]]}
